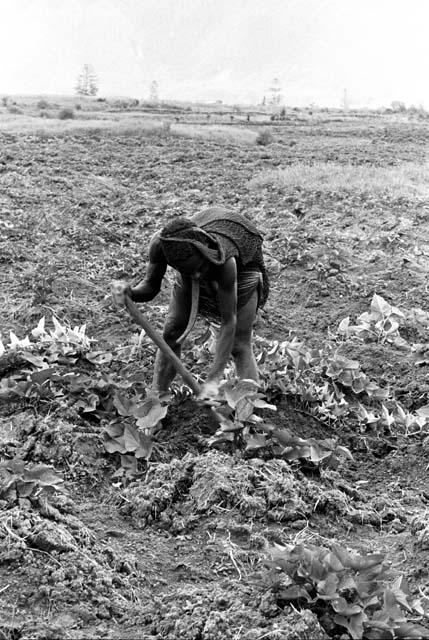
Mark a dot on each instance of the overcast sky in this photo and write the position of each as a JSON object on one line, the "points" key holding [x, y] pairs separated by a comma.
{"points": [[220, 49]]}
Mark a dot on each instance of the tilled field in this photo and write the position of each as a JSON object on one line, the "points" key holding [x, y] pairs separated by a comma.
{"points": [[96, 542]]}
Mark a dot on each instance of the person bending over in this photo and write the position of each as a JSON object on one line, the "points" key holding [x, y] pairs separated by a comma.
{"points": [[220, 268]]}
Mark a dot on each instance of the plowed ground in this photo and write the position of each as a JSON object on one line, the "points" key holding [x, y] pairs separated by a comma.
{"points": [[179, 553]]}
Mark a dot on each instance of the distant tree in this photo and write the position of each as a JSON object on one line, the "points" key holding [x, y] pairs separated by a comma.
{"points": [[87, 82], [397, 105], [276, 92], [154, 96]]}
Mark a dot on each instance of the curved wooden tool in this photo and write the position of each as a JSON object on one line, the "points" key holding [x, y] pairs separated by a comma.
{"points": [[138, 317]]}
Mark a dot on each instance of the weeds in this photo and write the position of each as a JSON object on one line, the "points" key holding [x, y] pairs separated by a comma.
{"points": [[66, 114], [408, 180], [354, 592], [233, 135], [264, 138], [381, 324], [19, 481]]}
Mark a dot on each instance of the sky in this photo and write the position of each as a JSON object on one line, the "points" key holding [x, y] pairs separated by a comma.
{"points": [[229, 50]]}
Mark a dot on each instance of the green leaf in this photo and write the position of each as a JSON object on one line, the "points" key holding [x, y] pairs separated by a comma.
{"points": [[423, 411], [390, 326], [43, 475], [145, 448], [294, 453], [347, 583], [391, 606], [14, 466], [359, 563], [293, 592], [356, 562], [328, 588], [341, 450], [400, 590], [344, 325], [235, 391], [259, 403], [131, 438], [287, 439], [353, 624], [316, 570], [149, 413], [342, 554], [346, 378], [256, 442], [332, 562], [411, 630], [243, 409], [317, 453], [25, 489], [116, 445], [380, 306], [221, 436], [89, 404], [99, 357], [122, 404], [359, 383], [341, 606], [37, 361], [228, 425], [378, 633], [129, 463], [114, 429], [39, 377], [341, 363]]}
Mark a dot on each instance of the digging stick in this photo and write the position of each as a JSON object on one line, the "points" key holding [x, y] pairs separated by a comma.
{"points": [[138, 317]]}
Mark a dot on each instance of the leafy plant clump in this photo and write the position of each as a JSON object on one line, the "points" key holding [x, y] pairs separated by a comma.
{"points": [[132, 441], [66, 114], [20, 482], [236, 409], [39, 358], [333, 388], [346, 590], [264, 138], [380, 324]]}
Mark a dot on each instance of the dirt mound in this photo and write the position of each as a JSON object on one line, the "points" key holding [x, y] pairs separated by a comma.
{"points": [[215, 612]]}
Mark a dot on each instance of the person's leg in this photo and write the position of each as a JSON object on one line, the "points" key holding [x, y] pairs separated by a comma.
{"points": [[175, 324], [242, 352]]}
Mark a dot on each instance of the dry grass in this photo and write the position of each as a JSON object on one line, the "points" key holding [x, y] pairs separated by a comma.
{"points": [[122, 124], [216, 132], [408, 179], [29, 124]]}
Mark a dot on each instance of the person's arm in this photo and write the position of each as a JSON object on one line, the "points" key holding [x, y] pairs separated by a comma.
{"points": [[156, 268], [227, 295]]}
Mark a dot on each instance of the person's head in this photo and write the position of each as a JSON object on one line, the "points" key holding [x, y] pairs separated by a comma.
{"points": [[188, 248]]}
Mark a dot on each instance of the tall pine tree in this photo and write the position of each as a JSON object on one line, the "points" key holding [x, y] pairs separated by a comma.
{"points": [[87, 82]]}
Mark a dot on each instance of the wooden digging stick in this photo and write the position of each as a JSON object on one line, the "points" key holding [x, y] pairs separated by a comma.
{"points": [[138, 317]]}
